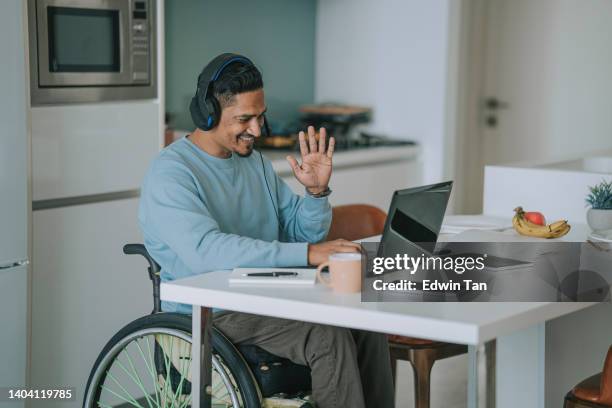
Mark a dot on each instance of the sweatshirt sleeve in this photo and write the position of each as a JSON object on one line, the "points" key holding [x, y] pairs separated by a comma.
{"points": [[175, 212], [303, 219]]}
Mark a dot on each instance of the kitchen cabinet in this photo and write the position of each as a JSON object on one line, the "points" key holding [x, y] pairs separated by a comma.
{"points": [[84, 289]]}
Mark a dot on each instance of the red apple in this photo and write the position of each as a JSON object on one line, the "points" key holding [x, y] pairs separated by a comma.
{"points": [[535, 217]]}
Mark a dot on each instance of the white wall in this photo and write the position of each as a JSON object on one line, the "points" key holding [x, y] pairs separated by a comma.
{"points": [[390, 55], [581, 101]]}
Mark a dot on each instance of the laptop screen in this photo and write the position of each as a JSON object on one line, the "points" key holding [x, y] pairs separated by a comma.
{"points": [[415, 218], [413, 231]]}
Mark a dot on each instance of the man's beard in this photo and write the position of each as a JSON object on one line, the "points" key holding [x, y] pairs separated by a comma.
{"points": [[250, 146], [250, 152]]}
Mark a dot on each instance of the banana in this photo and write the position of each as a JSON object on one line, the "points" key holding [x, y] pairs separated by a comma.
{"points": [[558, 224], [561, 232], [525, 227]]}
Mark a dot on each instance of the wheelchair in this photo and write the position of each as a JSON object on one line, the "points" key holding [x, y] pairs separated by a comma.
{"points": [[147, 364]]}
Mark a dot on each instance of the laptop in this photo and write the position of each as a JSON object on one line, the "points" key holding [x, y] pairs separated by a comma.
{"points": [[414, 220], [413, 225]]}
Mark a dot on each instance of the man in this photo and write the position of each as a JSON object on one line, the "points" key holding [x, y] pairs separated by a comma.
{"points": [[210, 202]]}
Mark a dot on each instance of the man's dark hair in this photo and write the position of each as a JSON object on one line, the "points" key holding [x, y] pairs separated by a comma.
{"points": [[236, 78]]}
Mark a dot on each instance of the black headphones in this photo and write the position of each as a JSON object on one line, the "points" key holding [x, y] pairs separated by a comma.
{"points": [[205, 108]]}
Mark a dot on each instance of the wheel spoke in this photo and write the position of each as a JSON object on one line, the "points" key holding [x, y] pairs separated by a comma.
{"points": [[186, 368], [170, 357], [168, 380], [150, 367], [136, 377], [186, 402], [131, 400], [224, 398], [181, 370]]}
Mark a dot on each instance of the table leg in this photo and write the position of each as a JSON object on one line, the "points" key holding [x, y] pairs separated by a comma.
{"points": [[481, 378], [201, 351], [521, 365]]}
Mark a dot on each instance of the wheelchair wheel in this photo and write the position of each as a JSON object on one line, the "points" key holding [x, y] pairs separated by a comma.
{"points": [[147, 364]]}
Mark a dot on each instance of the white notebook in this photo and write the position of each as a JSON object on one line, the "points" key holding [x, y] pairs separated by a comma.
{"points": [[298, 277], [455, 224]]}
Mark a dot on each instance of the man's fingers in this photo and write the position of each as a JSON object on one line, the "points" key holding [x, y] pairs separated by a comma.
{"points": [[322, 136], [345, 242], [312, 141], [344, 248], [303, 147], [330, 147], [294, 164]]}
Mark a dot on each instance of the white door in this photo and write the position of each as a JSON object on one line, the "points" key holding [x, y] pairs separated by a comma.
{"points": [[545, 85], [550, 61]]}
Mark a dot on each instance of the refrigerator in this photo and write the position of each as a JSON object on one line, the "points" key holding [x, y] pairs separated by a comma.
{"points": [[88, 160], [14, 199]]}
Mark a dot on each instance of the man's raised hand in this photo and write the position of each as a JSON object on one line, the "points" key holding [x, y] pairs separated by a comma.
{"points": [[315, 170]]}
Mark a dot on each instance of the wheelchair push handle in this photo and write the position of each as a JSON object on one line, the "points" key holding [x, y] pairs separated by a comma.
{"points": [[139, 249], [154, 269]]}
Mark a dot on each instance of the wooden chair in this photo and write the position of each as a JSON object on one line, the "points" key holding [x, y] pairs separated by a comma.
{"points": [[358, 221], [595, 391]]}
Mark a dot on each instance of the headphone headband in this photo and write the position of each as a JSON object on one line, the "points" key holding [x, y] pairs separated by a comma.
{"points": [[204, 107], [215, 68]]}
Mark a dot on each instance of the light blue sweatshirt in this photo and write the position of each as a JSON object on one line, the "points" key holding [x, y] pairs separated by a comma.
{"points": [[200, 213]]}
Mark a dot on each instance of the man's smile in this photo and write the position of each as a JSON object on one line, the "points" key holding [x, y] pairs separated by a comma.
{"points": [[246, 139]]}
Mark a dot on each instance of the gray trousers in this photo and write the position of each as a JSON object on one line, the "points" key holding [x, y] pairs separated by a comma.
{"points": [[350, 368]]}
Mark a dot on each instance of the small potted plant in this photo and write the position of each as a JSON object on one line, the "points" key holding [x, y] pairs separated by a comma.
{"points": [[599, 216]]}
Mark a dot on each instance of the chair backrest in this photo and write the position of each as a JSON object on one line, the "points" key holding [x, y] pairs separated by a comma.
{"points": [[356, 221]]}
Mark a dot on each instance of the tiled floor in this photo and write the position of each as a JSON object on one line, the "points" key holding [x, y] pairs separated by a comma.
{"points": [[449, 384]]}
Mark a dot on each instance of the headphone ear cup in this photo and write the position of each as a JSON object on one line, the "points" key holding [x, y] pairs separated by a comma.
{"points": [[213, 112], [196, 113]]}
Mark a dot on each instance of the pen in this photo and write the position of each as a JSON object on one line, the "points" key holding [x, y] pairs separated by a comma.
{"points": [[272, 274]]}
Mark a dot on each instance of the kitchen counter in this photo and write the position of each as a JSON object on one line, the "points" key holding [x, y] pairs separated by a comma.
{"points": [[367, 175], [557, 188], [597, 162], [349, 158]]}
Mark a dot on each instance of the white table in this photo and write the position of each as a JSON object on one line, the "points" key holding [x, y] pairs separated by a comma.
{"points": [[473, 324]]}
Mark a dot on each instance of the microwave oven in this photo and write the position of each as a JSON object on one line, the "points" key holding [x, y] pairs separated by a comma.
{"points": [[92, 50]]}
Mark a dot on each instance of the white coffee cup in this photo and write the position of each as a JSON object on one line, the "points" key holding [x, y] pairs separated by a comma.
{"points": [[344, 272]]}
